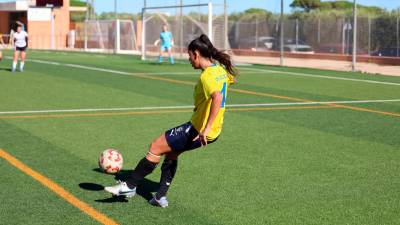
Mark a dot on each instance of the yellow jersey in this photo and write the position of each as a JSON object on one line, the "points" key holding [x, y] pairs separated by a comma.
{"points": [[212, 79]]}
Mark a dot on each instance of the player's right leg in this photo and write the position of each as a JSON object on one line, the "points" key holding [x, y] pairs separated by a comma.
{"points": [[145, 166], [171, 56], [15, 61], [160, 58]]}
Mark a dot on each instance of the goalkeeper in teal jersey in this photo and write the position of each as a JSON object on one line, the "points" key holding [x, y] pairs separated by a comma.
{"points": [[167, 41]]}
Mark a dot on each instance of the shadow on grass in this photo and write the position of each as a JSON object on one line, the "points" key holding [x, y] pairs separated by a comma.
{"points": [[5, 69], [145, 189]]}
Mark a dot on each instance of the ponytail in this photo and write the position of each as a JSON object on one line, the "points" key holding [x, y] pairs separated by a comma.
{"points": [[207, 49]]}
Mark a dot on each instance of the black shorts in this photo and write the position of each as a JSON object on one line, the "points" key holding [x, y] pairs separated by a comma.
{"points": [[21, 49], [180, 138]]}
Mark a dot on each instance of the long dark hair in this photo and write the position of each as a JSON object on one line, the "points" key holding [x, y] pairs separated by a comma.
{"points": [[207, 49]]}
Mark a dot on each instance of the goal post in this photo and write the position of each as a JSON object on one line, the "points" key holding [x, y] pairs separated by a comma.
{"points": [[184, 21]]}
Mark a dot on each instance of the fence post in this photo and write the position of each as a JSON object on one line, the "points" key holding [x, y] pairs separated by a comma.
{"points": [[369, 35], [281, 47], [319, 30], [397, 32], [354, 37], [297, 33], [181, 31], [225, 26], [344, 30], [256, 36]]}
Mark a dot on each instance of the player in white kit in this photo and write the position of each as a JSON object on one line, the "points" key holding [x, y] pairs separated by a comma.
{"points": [[20, 44]]}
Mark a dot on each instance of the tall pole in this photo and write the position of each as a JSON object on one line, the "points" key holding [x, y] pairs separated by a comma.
{"points": [[225, 26], [143, 30], [86, 21], [116, 36], [397, 32], [181, 30], [369, 35], [319, 30], [354, 37], [281, 34], [210, 22], [52, 42], [297, 33]]}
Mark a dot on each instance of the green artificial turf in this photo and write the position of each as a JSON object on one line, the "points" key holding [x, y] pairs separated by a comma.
{"points": [[289, 165]]}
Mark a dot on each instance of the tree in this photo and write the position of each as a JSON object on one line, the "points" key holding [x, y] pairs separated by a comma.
{"points": [[251, 14], [306, 5]]}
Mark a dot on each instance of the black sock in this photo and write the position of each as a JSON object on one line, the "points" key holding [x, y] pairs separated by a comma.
{"points": [[168, 170], [143, 168]]}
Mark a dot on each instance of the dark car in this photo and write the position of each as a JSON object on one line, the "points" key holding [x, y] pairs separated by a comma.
{"points": [[388, 52]]}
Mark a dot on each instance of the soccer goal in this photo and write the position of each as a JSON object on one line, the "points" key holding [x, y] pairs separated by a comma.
{"points": [[185, 22], [116, 36]]}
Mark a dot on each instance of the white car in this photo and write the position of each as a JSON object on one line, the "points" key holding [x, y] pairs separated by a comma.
{"points": [[293, 48]]}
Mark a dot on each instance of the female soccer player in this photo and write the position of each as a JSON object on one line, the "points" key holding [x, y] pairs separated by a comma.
{"points": [[204, 127], [166, 44], [20, 43]]}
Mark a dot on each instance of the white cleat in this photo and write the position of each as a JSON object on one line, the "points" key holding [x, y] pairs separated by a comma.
{"points": [[121, 189], [162, 202]]}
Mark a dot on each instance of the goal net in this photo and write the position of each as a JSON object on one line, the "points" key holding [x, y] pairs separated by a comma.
{"points": [[117, 36], [185, 22]]}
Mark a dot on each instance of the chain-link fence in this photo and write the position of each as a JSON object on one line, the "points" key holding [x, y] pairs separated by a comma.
{"points": [[253, 36]]}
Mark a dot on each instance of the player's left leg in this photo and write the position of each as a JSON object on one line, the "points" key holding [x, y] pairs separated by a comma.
{"points": [[171, 57], [22, 63], [168, 170]]}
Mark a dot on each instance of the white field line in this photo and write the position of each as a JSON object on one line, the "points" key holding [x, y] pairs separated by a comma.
{"points": [[108, 70], [191, 107], [320, 76], [186, 73]]}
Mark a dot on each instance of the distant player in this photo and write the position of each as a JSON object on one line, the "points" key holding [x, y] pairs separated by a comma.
{"points": [[167, 41], [20, 45], [204, 127]]}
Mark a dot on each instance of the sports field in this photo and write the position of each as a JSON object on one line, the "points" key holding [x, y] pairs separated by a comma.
{"points": [[299, 146]]}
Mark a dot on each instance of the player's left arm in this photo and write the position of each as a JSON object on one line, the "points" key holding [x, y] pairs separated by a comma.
{"points": [[216, 100]]}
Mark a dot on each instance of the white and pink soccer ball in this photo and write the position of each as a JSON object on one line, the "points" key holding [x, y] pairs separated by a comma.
{"points": [[110, 161]]}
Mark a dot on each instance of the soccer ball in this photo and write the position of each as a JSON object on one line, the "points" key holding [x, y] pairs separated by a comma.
{"points": [[110, 161]]}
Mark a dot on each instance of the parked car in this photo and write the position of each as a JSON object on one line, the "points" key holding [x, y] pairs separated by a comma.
{"points": [[388, 52], [292, 48], [290, 45], [260, 43]]}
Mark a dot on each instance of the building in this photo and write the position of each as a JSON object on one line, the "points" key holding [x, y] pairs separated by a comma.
{"points": [[48, 25]]}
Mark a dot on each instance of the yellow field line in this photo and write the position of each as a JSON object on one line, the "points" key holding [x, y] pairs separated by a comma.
{"points": [[367, 110], [282, 108], [268, 95], [57, 189], [157, 112], [278, 96]]}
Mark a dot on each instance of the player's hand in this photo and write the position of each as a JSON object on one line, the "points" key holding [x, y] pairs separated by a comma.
{"points": [[202, 136]]}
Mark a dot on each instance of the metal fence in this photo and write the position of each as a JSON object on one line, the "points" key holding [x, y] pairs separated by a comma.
{"points": [[314, 36]]}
